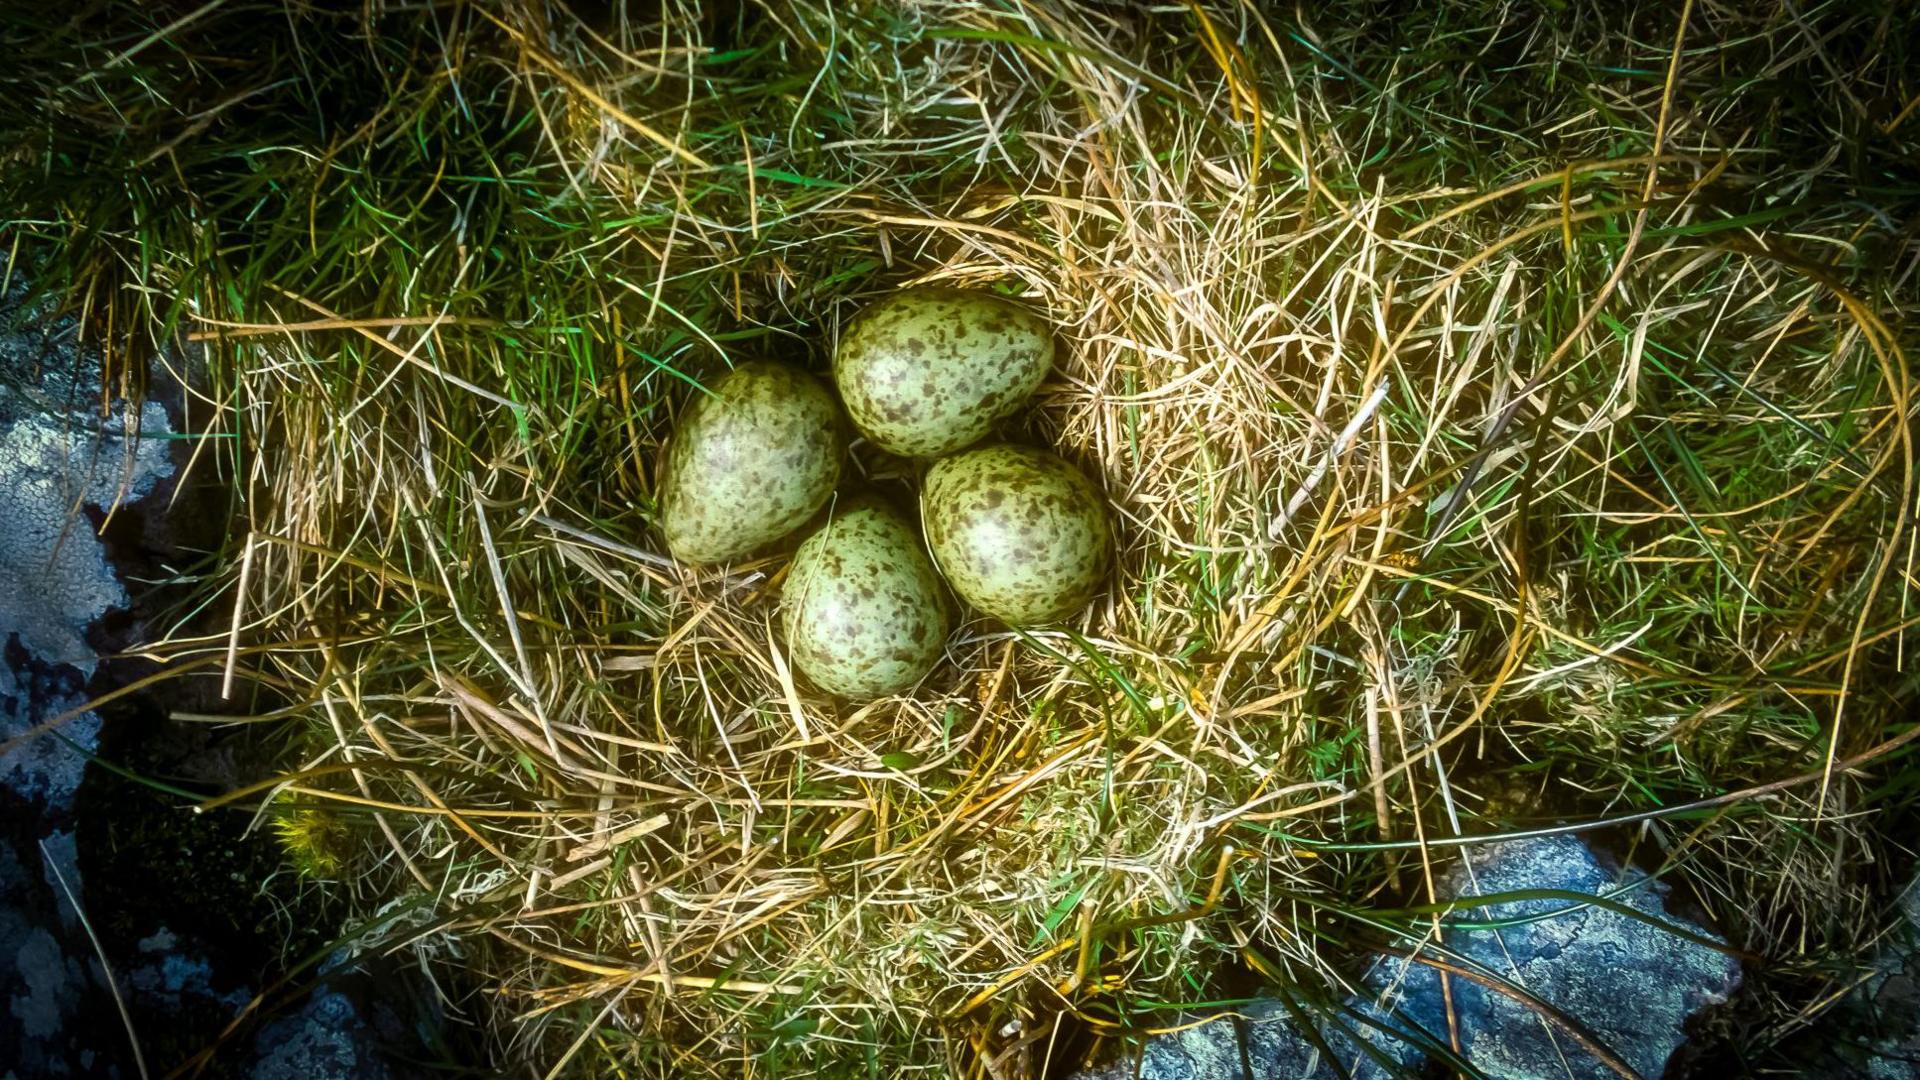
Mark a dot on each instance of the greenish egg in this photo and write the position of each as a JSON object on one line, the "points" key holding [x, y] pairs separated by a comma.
{"points": [[929, 371], [1020, 534], [865, 614], [751, 461]]}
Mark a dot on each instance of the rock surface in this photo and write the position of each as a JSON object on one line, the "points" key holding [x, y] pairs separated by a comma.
{"points": [[1874, 1032], [341, 1031], [65, 470], [54, 577], [1628, 982], [59, 459], [325, 1039], [1261, 1041], [1631, 984]]}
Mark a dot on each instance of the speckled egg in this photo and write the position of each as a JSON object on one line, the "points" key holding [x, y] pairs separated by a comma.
{"points": [[929, 371], [751, 461], [1019, 533], [864, 612]]}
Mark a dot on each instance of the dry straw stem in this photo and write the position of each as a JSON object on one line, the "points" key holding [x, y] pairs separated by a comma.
{"points": [[1508, 418]]}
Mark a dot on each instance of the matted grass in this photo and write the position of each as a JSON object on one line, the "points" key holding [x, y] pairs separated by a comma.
{"points": [[1507, 413]]}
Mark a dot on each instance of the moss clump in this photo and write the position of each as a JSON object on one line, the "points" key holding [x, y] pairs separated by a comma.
{"points": [[316, 842]]}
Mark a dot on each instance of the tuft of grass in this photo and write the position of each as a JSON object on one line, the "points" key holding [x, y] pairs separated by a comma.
{"points": [[1508, 416]]}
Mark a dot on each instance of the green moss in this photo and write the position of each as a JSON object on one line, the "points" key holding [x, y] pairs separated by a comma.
{"points": [[316, 842]]}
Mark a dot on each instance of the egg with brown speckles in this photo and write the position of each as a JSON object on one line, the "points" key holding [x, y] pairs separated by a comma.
{"points": [[928, 371], [752, 459], [1020, 534], [864, 612]]}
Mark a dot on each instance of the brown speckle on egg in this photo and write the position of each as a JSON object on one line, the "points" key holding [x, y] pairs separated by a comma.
{"points": [[1019, 533], [864, 612], [929, 371], [750, 462]]}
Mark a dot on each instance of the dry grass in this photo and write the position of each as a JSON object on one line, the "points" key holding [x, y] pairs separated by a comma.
{"points": [[1508, 415]]}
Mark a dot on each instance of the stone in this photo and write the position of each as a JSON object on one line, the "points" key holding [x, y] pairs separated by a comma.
{"points": [[59, 460], [1874, 1032], [59, 456], [1632, 984], [44, 772], [49, 995], [327, 1039], [1259, 1041], [64, 469]]}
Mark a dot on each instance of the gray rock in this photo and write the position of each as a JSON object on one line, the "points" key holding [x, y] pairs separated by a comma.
{"points": [[46, 972], [1874, 1033], [1260, 1040], [58, 457], [174, 971], [63, 466], [46, 983], [327, 1039], [1629, 983], [46, 771]]}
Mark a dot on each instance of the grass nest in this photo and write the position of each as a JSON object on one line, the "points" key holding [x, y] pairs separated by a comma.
{"points": [[1506, 411]]}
